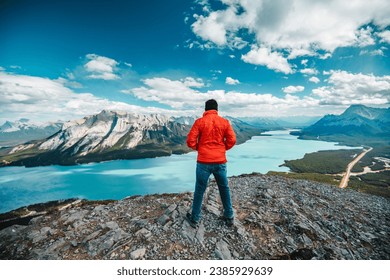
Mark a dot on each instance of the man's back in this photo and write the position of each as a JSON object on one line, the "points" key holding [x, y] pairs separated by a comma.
{"points": [[211, 136]]}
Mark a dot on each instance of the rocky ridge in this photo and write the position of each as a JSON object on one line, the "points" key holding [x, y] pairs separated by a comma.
{"points": [[276, 218]]}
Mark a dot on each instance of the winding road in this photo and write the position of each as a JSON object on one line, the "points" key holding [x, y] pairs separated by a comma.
{"points": [[347, 174]]}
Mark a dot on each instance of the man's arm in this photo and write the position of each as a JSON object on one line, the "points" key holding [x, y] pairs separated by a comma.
{"points": [[230, 137], [192, 137]]}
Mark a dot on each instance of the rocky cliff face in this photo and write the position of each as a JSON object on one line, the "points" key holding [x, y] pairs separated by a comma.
{"points": [[276, 218]]}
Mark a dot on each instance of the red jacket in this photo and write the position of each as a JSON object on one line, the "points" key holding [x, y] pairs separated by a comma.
{"points": [[211, 136]]}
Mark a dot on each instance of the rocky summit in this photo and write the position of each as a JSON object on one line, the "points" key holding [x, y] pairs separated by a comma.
{"points": [[276, 218]]}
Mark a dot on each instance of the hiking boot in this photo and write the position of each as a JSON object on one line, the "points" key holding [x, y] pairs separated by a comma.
{"points": [[229, 222], [191, 221]]}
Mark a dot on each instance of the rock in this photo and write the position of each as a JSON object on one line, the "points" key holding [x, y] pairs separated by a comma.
{"points": [[222, 251], [200, 233], [290, 244], [73, 216], [252, 218], [302, 254], [170, 209], [163, 219], [306, 241], [143, 232], [54, 248], [213, 209], [91, 236], [111, 225], [105, 242], [188, 231], [138, 254], [141, 222]]}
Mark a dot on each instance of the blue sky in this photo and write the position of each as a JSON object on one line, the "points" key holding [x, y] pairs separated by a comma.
{"points": [[67, 59]]}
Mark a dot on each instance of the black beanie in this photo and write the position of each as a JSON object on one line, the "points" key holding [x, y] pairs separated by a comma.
{"points": [[211, 105]]}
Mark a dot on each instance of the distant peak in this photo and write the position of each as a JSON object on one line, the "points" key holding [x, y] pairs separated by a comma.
{"points": [[363, 111], [355, 107]]}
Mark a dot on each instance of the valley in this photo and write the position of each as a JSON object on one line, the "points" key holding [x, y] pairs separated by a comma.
{"points": [[370, 174], [357, 126]]}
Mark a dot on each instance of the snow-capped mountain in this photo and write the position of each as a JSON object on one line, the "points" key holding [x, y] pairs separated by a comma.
{"points": [[358, 124], [23, 130], [112, 129], [112, 135], [187, 120], [365, 112]]}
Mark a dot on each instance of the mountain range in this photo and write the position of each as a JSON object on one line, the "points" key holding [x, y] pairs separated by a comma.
{"points": [[23, 130], [13, 133], [358, 125], [281, 122], [112, 135]]}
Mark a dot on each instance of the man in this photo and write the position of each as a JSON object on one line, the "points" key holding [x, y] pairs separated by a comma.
{"points": [[211, 135]]}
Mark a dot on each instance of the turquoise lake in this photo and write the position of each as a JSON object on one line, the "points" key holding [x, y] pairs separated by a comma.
{"points": [[20, 186]]}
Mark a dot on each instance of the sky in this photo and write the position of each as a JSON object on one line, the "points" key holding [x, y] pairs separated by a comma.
{"points": [[65, 59]]}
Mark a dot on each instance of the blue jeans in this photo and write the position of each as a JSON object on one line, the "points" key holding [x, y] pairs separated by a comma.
{"points": [[203, 172]]}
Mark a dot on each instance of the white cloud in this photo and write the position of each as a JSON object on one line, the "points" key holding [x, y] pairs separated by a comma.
{"points": [[46, 99], [346, 88], [101, 67], [298, 27], [309, 71], [210, 28], [180, 97], [364, 37], [372, 53], [325, 56], [385, 35], [272, 60], [343, 89], [39, 98], [176, 94], [293, 89], [68, 83], [304, 62], [104, 76], [314, 80], [238, 43], [192, 82], [231, 81]]}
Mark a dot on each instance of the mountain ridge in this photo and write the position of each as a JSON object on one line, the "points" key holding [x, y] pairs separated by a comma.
{"points": [[112, 135], [357, 125], [23, 130]]}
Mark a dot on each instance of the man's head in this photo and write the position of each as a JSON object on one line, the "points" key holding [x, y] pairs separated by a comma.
{"points": [[211, 105]]}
